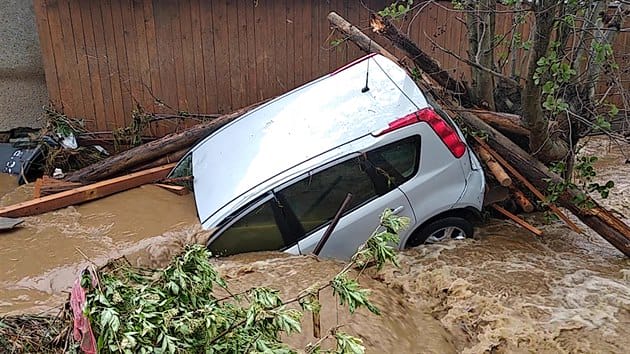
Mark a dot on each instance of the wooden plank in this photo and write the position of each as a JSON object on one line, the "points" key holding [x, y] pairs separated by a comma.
{"points": [[82, 63], [124, 76], [307, 42], [144, 66], [65, 85], [209, 62], [290, 47], [188, 54], [163, 13], [132, 52], [252, 72], [234, 54], [48, 55], [260, 39], [74, 103], [154, 63], [222, 61], [93, 66], [86, 193], [241, 14], [518, 220], [111, 61], [181, 102], [279, 25], [197, 49], [100, 54]]}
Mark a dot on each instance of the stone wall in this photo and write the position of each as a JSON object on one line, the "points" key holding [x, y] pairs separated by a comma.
{"points": [[22, 83]]}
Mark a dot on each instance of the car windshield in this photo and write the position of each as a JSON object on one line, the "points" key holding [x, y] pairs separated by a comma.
{"points": [[182, 174]]}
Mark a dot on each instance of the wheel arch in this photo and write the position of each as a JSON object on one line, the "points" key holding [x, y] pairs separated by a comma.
{"points": [[469, 213]]}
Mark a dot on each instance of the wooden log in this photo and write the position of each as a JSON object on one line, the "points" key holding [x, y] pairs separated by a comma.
{"points": [[529, 186], [497, 171], [597, 218], [354, 34], [85, 193], [424, 61], [522, 200], [505, 122], [529, 227], [153, 150], [164, 160]]}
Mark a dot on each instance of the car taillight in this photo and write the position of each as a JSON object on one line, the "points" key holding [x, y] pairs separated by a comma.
{"points": [[445, 132]]}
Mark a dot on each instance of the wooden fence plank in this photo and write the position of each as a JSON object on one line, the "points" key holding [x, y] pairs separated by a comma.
{"points": [[103, 74], [250, 28], [124, 77], [181, 102], [63, 72], [209, 62], [83, 69], [133, 53], [48, 55], [222, 59], [197, 48], [111, 60], [74, 103], [234, 54], [188, 54]]}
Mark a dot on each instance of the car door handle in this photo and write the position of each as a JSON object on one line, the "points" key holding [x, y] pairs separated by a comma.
{"points": [[398, 210]]}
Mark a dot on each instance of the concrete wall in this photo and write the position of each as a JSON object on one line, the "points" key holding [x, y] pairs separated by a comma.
{"points": [[22, 83]]}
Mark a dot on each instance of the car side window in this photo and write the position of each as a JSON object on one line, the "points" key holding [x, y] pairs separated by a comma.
{"points": [[256, 231], [395, 163], [315, 199]]}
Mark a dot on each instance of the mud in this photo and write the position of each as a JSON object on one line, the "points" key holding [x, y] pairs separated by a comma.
{"points": [[504, 291]]}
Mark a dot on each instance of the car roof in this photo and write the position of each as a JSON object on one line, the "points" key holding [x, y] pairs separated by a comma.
{"points": [[298, 126]]}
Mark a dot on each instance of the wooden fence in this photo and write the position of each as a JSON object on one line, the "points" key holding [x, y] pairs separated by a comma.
{"points": [[104, 57]]}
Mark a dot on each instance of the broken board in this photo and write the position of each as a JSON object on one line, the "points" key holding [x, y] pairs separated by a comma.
{"points": [[86, 193]]}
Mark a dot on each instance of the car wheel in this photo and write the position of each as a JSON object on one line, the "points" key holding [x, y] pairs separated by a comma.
{"points": [[442, 230]]}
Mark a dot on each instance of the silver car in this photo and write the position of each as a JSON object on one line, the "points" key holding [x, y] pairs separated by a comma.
{"points": [[274, 178]]}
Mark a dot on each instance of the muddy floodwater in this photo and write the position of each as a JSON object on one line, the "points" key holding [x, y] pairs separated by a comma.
{"points": [[504, 291]]}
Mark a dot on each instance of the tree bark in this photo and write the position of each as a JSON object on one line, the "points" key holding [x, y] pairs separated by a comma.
{"points": [[480, 20], [597, 218], [545, 147], [146, 153]]}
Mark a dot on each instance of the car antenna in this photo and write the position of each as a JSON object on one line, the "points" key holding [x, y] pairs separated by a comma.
{"points": [[367, 72]]}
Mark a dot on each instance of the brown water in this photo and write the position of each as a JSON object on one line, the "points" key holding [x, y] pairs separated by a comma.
{"points": [[504, 291]]}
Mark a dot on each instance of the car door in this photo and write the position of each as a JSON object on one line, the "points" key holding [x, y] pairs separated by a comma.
{"points": [[315, 199]]}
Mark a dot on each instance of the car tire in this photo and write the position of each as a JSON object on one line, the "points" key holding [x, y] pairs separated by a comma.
{"points": [[441, 230]]}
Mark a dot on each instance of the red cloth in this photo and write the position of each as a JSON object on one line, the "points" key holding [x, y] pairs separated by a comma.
{"points": [[82, 330]]}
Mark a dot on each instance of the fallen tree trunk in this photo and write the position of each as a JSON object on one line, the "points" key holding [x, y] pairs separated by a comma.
{"points": [[597, 218], [149, 152], [424, 61]]}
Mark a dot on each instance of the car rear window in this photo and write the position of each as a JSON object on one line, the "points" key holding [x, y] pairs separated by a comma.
{"points": [[395, 163]]}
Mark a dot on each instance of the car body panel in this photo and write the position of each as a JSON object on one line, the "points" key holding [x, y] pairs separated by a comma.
{"points": [[270, 140]]}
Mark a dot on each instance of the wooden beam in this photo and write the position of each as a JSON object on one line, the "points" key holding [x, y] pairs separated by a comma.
{"points": [[518, 220], [86, 193], [529, 186]]}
